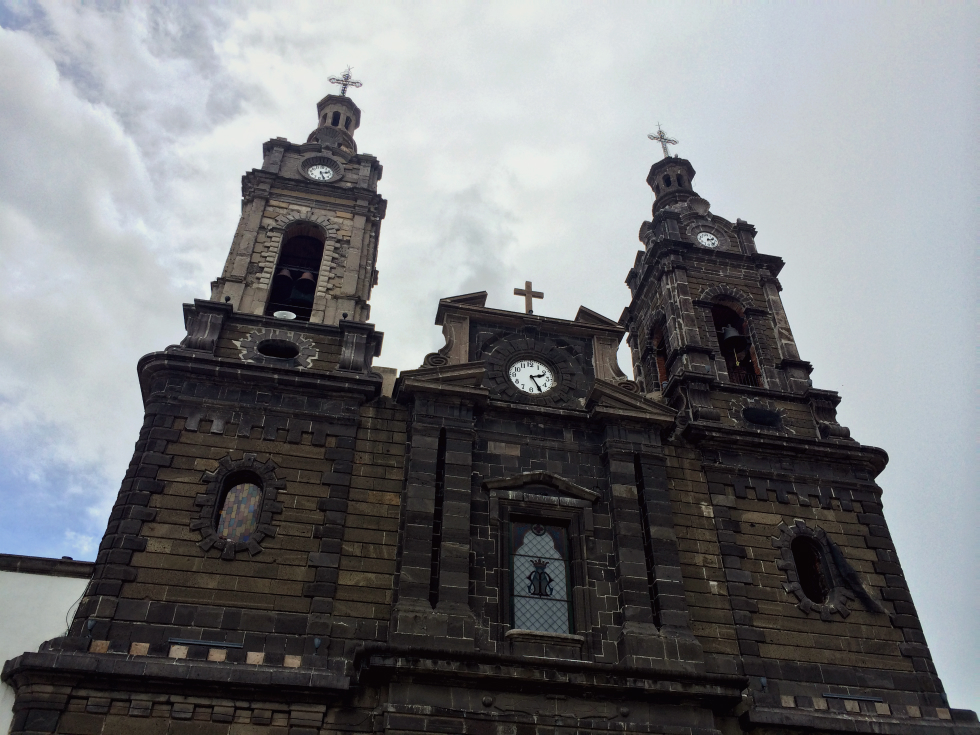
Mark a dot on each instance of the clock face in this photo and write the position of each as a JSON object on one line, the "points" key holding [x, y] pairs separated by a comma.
{"points": [[531, 376], [320, 172], [708, 240]]}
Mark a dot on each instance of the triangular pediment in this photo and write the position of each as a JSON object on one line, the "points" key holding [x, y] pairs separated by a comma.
{"points": [[608, 398], [467, 373], [479, 298], [587, 316], [547, 479], [463, 380]]}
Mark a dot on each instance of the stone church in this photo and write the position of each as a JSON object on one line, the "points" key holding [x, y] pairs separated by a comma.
{"points": [[512, 539]]}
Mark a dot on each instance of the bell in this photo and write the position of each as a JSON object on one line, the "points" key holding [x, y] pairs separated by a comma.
{"points": [[306, 283], [283, 281], [732, 340]]}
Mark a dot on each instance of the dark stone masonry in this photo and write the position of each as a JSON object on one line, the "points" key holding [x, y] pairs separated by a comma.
{"points": [[512, 539]]}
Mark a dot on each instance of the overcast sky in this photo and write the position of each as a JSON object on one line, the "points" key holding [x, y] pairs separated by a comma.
{"points": [[513, 138]]}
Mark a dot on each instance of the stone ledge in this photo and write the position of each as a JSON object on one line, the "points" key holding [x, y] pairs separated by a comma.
{"points": [[856, 723], [43, 565], [94, 668], [540, 636]]}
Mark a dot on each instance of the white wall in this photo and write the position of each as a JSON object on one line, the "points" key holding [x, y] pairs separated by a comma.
{"points": [[33, 608]]}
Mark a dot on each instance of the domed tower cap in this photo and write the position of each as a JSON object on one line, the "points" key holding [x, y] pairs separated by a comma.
{"points": [[332, 103], [671, 180], [339, 117]]}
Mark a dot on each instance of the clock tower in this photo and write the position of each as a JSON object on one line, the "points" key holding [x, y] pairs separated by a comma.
{"points": [[307, 240]]}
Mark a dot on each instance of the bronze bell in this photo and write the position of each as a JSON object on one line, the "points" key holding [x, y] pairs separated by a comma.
{"points": [[283, 280], [306, 283], [732, 340]]}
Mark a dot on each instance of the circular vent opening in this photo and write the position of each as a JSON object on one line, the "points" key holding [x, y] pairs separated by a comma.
{"points": [[760, 416], [278, 348]]}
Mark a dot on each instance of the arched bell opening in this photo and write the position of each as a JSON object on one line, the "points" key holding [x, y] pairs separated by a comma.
{"points": [[296, 273], [731, 330], [658, 358]]}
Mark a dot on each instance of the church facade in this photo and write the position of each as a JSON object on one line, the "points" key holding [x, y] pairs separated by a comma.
{"points": [[514, 538]]}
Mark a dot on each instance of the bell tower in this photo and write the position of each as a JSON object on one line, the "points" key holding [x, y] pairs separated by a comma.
{"points": [[307, 241], [706, 317]]}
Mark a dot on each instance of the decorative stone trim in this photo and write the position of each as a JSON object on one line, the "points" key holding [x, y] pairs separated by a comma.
{"points": [[839, 570], [321, 159], [208, 502], [292, 216], [760, 414], [704, 223], [712, 293], [564, 359], [540, 636], [250, 345]]}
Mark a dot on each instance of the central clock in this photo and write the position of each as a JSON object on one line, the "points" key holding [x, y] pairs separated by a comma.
{"points": [[322, 168], [707, 239], [531, 376], [320, 172]]}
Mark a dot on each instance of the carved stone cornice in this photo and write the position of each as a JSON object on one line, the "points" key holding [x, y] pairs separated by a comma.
{"points": [[463, 382], [612, 403], [209, 369], [716, 436]]}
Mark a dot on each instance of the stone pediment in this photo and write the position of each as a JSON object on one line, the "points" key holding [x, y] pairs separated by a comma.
{"points": [[464, 380], [587, 316], [530, 480], [479, 298], [609, 400]]}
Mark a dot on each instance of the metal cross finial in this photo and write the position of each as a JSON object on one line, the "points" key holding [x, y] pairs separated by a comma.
{"points": [[661, 137], [528, 294], [345, 81]]}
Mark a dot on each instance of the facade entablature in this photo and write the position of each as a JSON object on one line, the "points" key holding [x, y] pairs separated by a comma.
{"points": [[215, 329]]}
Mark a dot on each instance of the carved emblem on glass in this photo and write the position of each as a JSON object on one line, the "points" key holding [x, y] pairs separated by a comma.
{"points": [[540, 574]]}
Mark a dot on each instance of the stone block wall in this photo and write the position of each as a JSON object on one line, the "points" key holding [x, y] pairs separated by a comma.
{"points": [[863, 648]]}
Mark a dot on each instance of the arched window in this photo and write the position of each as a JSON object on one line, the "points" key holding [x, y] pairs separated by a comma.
{"points": [[347, 123], [659, 363], [540, 574], [240, 508], [730, 329], [810, 569], [296, 275], [335, 119], [680, 180], [667, 180]]}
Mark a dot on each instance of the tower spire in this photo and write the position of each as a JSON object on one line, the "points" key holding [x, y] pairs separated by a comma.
{"points": [[661, 137], [345, 80]]}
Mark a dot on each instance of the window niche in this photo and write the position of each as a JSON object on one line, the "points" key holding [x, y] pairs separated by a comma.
{"points": [[811, 569], [297, 272], [542, 521], [731, 332], [238, 506], [817, 573]]}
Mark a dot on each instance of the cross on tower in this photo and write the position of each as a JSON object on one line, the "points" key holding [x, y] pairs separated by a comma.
{"points": [[345, 81], [528, 294], [661, 137]]}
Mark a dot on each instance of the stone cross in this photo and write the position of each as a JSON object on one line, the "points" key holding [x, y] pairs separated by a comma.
{"points": [[661, 137], [345, 81], [528, 294]]}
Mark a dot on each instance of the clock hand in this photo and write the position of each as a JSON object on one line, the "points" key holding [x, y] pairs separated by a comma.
{"points": [[532, 377]]}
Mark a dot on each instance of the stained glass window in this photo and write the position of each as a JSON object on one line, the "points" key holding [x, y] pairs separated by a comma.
{"points": [[539, 567], [240, 512]]}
